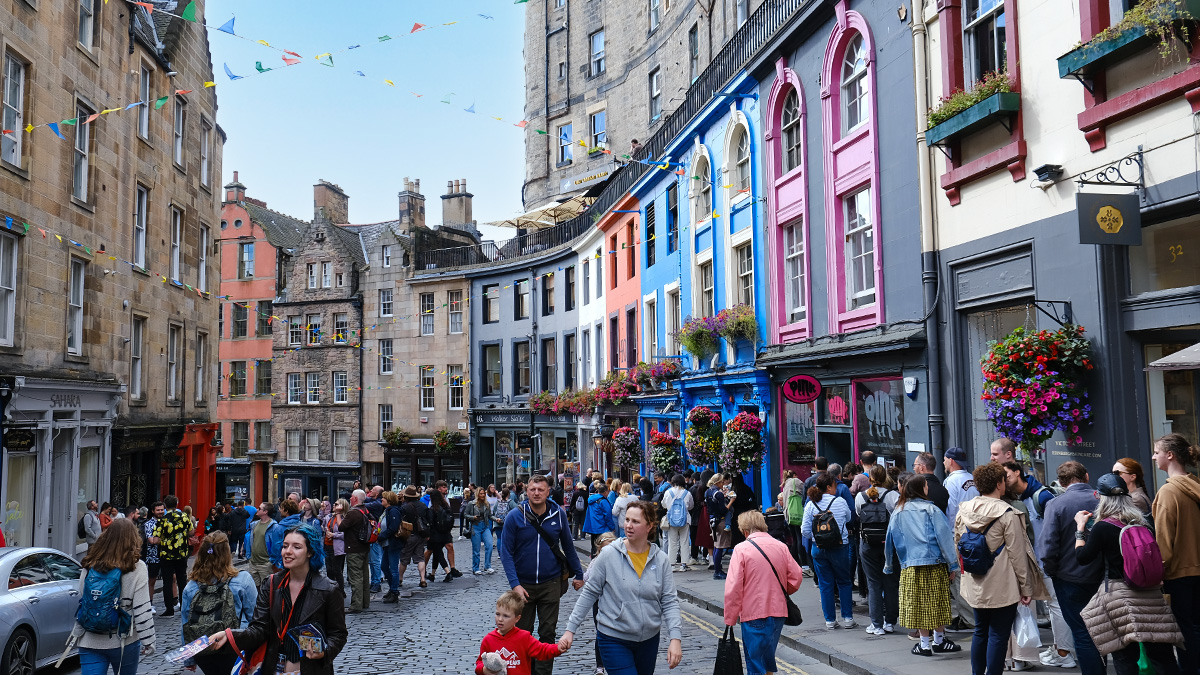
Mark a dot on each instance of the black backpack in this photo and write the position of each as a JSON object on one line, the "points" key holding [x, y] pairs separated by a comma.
{"points": [[825, 530], [419, 519], [81, 529], [874, 519]]}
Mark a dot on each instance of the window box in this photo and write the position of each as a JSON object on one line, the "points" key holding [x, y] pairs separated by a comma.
{"points": [[1087, 59], [995, 107]]}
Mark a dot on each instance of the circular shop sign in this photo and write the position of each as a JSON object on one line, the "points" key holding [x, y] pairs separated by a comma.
{"points": [[802, 389]]}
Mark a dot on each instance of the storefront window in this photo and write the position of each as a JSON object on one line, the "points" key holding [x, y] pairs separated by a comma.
{"points": [[291, 485], [89, 481], [835, 405], [426, 472], [1164, 260], [879, 411], [19, 516], [800, 434], [512, 462], [401, 478], [982, 328]]}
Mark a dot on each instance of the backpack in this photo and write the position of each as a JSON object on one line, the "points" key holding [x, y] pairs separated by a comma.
{"points": [[445, 520], [100, 608], [369, 532], [580, 502], [825, 530], [677, 514], [212, 611], [795, 509], [874, 518], [81, 528], [1143, 559], [420, 521], [977, 558], [1037, 499]]}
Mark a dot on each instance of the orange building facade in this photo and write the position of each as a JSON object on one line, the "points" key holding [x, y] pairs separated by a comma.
{"points": [[622, 284]]}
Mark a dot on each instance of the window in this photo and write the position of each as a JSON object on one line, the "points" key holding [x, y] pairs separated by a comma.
{"points": [[262, 378], [630, 251], [491, 303], [264, 318], [237, 378], [205, 142], [385, 302], [631, 343], [655, 94], [596, 43], [339, 280], [562, 70], [521, 299], [703, 207], [312, 446], [612, 251], [599, 275], [694, 53], [341, 445], [202, 263], [707, 297], [569, 288], [651, 331], [312, 275], [87, 22], [569, 357], [385, 419], [455, 304], [295, 330], [454, 378], [201, 355], [295, 388], [1159, 264], [741, 166], [176, 241], [984, 46], [140, 215], [180, 120], [548, 295], [549, 365], [672, 218], [427, 314], [586, 359], [860, 250], [793, 251], [313, 327], [744, 255], [14, 109], [220, 321], [655, 14], [240, 320], [599, 352], [614, 342], [674, 317], [521, 356], [143, 122], [790, 122], [564, 144], [649, 235], [427, 387], [262, 436], [241, 439], [8, 288], [492, 377], [587, 281], [137, 336], [854, 84], [293, 445], [314, 387], [341, 327], [75, 307], [598, 122], [387, 255], [174, 343], [341, 388], [326, 275], [743, 11], [82, 152], [246, 260], [385, 357]]}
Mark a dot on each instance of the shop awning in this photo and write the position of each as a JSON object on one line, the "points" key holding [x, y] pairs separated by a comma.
{"points": [[1184, 359], [830, 347], [549, 215]]}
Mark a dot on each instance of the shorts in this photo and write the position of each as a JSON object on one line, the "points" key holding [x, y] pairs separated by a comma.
{"points": [[413, 551]]}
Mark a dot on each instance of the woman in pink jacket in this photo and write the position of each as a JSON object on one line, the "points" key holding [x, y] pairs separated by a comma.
{"points": [[760, 569]]}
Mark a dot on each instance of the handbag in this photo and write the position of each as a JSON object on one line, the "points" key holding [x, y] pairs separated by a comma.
{"points": [[793, 612], [729, 656], [565, 579]]}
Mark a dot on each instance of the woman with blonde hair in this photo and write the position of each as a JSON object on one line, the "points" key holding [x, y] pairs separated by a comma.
{"points": [[716, 501], [624, 499], [118, 548], [1130, 470], [213, 573]]}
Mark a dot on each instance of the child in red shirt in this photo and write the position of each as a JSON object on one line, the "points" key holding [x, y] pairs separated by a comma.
{"points": [[515, 646]]}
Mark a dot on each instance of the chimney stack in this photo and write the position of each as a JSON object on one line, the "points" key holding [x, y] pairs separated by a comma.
{"points": [[330, 203], [456, 204], [235, 191], [412, 206]]}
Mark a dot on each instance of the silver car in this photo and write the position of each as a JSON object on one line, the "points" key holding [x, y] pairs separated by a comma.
{"points": [[37, 611]]}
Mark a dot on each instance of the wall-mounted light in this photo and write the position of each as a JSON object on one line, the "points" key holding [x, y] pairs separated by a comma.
{"points": [[1048, 172]]}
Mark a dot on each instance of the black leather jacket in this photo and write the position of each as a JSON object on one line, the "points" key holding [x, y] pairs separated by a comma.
{"points": [[323, 604]]}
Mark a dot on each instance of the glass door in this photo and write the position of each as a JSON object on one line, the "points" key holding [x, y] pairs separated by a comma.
{"points": [[1172, 395]]}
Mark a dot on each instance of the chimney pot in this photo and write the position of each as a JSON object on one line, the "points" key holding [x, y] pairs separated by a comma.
{"points": [[464, 185], [235, 176], [449, 187]]}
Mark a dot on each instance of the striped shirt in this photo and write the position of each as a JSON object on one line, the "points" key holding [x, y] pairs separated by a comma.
{"points": [[135, 598]]}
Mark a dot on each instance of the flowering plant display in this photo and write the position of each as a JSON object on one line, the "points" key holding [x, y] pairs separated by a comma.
{"points": [[615, 388], [742, 444], [1033, 385], [702, 438], [543, 402], [627, 448], [738, 323], [580, 402], [395, 437], [701, 335], [446, 440], [662, 453], [665, 370]]}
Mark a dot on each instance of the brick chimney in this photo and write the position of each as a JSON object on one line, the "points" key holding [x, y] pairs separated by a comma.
{"points": [[235, 191], [412, 206], [330, 203], [456, 203]]}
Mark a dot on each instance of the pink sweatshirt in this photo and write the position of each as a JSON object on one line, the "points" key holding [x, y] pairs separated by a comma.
{"points": [[752, 589]]}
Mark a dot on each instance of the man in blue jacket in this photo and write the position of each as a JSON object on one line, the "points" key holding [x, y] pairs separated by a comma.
{"points": [[599, 518], [264, 545], [533, 567]]}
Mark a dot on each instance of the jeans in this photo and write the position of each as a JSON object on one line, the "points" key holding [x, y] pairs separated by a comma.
{"points": [[1073, 597], [883, 598], [335, 568], [497, 534], [760, 638], [993, 625], [1185, 604], [623, 657], [173, 570], [359, 570], [833, 568], [97, 661], [376, 564], [391, 567], [481, 534], [1160, 655], [543, 605], [677, 544], [1063, 639], [796, 545], [718, 558]]}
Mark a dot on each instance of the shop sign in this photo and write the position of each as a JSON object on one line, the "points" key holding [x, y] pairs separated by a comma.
{"points": [[502, 418], [587, 178], [1109, 219], [880, 413], [558, 419], [18, 440], [801, 389]]}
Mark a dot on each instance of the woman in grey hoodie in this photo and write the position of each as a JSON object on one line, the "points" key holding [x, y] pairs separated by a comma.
{"points": [[632, 582]]}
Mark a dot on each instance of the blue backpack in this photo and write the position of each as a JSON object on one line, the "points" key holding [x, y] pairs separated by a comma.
{"points": [[977, 558], [677, 514], [100, 607]]}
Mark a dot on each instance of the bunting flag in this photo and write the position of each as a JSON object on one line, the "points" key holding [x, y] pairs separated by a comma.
{"points": [[54, 127], [470, 109], [259, 66], [416, 27], [227, 27], [230, 73], [328, 61], [189, 12], [160, 102], [290, 62]]}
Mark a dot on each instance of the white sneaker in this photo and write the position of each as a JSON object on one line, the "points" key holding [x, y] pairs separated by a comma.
{"points": [[874, 630], [693, 561], [888, 628], [489, 571], [1019, 665], [848, 622], [831, 624], [1054, 659], [477, 573]]}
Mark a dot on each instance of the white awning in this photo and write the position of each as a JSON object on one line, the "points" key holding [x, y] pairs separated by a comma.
{"points": [[548, 215], [1184, 359]]}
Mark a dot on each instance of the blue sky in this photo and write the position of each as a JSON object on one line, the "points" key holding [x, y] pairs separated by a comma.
{"points": [[290, 127]]}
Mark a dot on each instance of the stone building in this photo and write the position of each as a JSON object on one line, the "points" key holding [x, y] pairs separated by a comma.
{"points": [[107, 262]]}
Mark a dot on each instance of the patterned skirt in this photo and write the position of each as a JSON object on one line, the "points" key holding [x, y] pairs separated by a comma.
{"points": [[924, 597]]}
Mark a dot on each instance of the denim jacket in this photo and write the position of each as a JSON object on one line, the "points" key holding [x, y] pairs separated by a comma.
{"points": [[918, 534]]}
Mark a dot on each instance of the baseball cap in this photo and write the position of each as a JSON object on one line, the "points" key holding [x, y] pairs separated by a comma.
{"points": [[1112, 485], [957, 454]]}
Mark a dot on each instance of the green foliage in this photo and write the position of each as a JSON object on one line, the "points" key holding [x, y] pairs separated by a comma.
{"points": [[446, 440], [959, 101], [1159, 18], [395, 437]]}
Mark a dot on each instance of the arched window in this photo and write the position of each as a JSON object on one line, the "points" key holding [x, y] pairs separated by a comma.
{"points": [[702, 208], [741, 167], [791, 131], [855, 109]]}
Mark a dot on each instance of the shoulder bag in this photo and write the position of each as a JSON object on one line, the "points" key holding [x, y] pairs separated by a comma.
{"points": [[793, 612], [564, 580]]}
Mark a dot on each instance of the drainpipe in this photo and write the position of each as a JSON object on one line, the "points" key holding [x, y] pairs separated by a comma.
{"points": [[357, 302], [929, 248], [534, 371]]}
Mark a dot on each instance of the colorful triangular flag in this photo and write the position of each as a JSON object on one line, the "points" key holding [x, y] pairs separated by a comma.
{"points": [[189, 12], [230, 73], [416, 27], [160, 102], [227, 27], [54, 127]]}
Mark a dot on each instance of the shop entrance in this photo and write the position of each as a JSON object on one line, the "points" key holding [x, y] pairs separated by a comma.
{"points": [[1172, 396]]}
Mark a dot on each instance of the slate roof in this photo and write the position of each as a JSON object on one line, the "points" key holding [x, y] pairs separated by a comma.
{"points": [[351, 242], [143, 29], [371, 232], [282, 230]]}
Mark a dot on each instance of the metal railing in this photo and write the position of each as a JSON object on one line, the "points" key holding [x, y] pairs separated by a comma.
{"points": [[754, 35]]}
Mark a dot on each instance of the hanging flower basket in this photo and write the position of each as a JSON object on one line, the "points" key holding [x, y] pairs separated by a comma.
{"points": [[738, 323], [665, 370], [396, 437], [702, 438], [543, 403], [1033, 385], [446, 441], [662, 453], [627, 448], [701, 336], [742, 444], [615, 389]]}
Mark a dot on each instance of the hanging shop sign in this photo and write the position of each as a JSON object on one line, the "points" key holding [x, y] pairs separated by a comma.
{"points": [[1109, 219], [18, 440], [802, 389]]}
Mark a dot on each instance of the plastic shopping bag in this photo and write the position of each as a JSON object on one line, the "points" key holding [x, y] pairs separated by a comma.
{"points": [[1025, 628]]}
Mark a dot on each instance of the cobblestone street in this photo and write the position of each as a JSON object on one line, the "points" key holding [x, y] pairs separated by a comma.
{"points": [[439, 628]]}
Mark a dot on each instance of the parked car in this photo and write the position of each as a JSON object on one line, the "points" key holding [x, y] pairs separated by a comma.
{"points": [[37, 611]]}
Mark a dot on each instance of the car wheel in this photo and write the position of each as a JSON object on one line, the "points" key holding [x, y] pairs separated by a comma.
{"points": [[19, 654]]}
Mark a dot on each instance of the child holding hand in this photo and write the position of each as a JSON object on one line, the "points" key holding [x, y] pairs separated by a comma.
{"points": [[520, 645]]}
